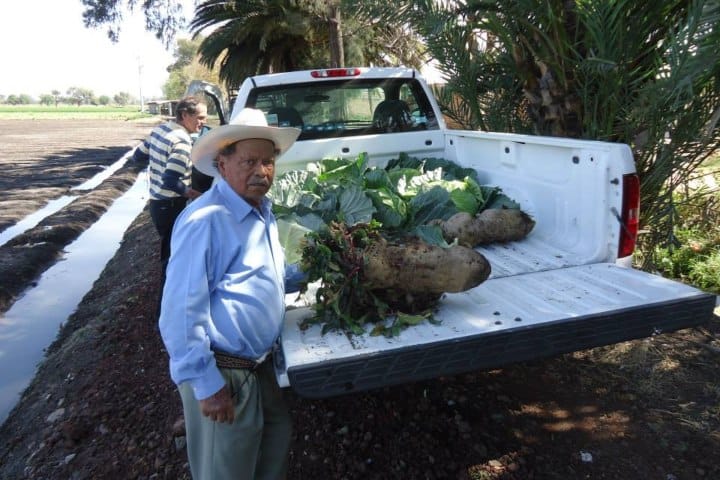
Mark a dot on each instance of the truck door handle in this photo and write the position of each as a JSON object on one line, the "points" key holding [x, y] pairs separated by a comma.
{"points": [[345, 150]]}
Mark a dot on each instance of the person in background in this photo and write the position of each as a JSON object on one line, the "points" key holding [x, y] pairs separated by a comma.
{"points": [[224, 304], [167, 151]]}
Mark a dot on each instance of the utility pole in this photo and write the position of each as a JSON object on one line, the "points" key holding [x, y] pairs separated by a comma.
{"points": [[140, 68]]}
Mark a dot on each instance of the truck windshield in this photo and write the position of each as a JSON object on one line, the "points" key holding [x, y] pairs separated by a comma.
{"points": [[342, 108]]}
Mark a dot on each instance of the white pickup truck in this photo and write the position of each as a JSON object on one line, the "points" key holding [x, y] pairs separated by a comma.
{"points": [[568, 286]]}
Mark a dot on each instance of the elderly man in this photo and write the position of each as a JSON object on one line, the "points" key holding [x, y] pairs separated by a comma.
{"points": [[223, 306]]}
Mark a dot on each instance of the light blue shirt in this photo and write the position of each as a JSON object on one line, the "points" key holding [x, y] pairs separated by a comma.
{"points": [[225, 286]]}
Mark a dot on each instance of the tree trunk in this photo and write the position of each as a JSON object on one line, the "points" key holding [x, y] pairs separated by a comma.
{"points": [[337, 53], [553, 107]]}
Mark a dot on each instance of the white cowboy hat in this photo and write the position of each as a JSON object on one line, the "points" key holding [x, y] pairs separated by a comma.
{"points": [[248, 123]]}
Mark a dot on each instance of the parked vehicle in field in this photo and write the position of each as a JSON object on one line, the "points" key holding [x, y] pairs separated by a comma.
{"points": [[568, 286]]}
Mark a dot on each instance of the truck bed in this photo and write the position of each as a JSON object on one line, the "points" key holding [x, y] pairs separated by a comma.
{"points": [[529, 255], [537, 303]]}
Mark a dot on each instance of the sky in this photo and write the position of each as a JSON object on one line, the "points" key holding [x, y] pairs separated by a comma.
{"points": [[45, 47]]}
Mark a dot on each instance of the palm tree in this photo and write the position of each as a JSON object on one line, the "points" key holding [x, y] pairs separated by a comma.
{"points": [[258, 36], [381, 40], [261, 36]]}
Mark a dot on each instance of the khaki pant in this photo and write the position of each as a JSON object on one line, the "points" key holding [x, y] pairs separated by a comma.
{"points": [[255, 446]]}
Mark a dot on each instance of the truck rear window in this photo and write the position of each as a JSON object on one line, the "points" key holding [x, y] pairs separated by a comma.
{"points": [[345, 107]]}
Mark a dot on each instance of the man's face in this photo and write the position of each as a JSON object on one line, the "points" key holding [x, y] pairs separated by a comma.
{"points": [[250, 170], [193, 122]]}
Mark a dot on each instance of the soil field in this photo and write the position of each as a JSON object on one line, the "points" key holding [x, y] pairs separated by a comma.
{"points": [[102, 406], [43, 160]]}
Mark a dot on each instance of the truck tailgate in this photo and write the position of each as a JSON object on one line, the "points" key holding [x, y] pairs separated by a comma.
{"points": [[502, 321]]}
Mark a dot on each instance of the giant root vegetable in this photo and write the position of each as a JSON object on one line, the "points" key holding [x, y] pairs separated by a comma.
{"points": [[417, 267], [366, 278], [489, 226]]}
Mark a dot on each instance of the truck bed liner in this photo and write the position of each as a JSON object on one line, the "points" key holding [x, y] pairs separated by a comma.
{"points": [[529, 255]]}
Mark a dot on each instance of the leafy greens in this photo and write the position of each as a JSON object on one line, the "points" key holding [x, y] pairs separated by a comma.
{"points": [[402, 197]]}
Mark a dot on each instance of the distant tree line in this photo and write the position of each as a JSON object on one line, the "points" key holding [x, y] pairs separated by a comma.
{"points": [[73, 96]]}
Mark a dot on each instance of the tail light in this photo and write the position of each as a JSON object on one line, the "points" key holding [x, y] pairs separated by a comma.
{"points": [[630, 215], [335, 72]]}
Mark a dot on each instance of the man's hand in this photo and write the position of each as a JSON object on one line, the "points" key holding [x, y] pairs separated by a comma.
{"points": [[219, 407]]}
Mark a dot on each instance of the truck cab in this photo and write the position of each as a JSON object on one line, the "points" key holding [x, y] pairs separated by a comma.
{"points": [[346, 105]]}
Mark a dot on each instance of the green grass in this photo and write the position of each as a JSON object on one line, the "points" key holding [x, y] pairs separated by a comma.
{"points": [[70, 112]]}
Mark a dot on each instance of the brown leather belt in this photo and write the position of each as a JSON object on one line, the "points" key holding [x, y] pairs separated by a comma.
{"points": [[225, 360]]}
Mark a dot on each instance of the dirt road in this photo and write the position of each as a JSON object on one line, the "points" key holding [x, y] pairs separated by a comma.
{"points": [[102, 405]]}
